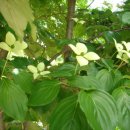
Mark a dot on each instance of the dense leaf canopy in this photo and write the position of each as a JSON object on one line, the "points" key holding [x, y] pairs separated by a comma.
{"points": [[64, 65]]}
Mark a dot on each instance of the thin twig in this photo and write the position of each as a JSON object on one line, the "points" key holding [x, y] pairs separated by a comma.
{"points": [[100, 34], [120, 65], [55, 56], [90, 4], [48, 16]]}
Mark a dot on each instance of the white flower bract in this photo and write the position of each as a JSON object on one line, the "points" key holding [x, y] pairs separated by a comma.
{"points": [[38, 71], [83, 56], [123, 50], [14, 48]]}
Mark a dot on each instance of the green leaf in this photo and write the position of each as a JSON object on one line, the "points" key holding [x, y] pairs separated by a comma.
{"points": [[16, 16], [44, 92], [99, 108], [63, 42], [108, 63], [106, 79], [91, 69], [118, 79], [109, 35], [84, 82], [79, 30], [20, 62], [65, 70], [126, 18], [24, 80], [122, 97], [68, 116], [13, 100]]}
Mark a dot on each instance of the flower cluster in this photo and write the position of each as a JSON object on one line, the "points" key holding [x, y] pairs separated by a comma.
{"points": [[83, 56], [13, 46], [38, 71], [123, 51]]}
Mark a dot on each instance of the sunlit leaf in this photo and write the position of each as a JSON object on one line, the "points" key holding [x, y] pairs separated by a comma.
{"points": [[16, 16]]}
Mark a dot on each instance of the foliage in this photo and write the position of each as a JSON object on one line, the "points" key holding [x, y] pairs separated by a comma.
{"points": [[40, 89]]}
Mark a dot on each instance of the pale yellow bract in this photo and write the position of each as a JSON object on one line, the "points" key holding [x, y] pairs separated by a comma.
{"points": [[82, 55], [123, 50], [38, 71], [13, 46]]}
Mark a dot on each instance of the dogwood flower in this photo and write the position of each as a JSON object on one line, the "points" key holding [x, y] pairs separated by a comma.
{"points": [[82, 54], [123, 50], [57, 61], [38, 71], [14, 48]]}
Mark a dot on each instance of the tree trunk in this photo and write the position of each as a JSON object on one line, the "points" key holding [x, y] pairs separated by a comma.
{"points": [[2, 125], [70, 21], [70, 26]]}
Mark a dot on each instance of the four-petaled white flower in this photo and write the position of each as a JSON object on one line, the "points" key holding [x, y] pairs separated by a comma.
{"points": [[83, 56], [39, 70], [123, 50], [14, 48]]}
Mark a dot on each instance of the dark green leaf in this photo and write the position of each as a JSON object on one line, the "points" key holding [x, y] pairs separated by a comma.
{"points": [[122, 97], [13, 100], [109, 36], [85, 82], [67, 116], [99, 108], [65, 70], [44, 92], [24, 80], [20, 62]]}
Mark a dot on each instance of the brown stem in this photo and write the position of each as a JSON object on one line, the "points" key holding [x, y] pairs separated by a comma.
{"points": [[2, 125], [3, 54], [25, 125]]}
